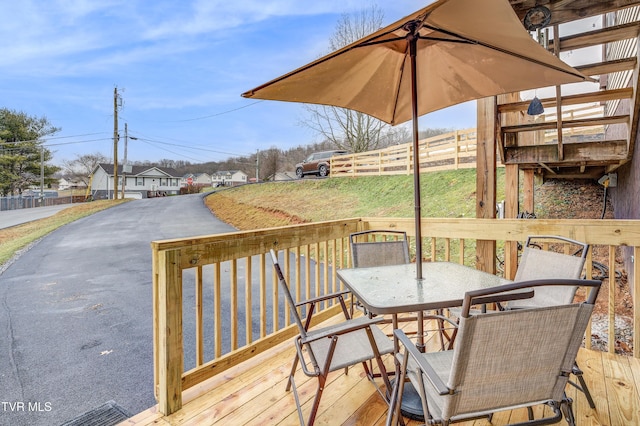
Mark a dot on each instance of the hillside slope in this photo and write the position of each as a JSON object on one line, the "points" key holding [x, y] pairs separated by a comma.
{"points": [[444, 194]]}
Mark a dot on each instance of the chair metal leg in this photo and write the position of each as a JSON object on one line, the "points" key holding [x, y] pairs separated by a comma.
{"points": [[583, 385], [292, 384], [392, 404], [396, 397], [293, 371], [316, 400], [567, 409]]}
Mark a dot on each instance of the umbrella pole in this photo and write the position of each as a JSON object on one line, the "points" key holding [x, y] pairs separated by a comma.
{"points": [[413, 42]]}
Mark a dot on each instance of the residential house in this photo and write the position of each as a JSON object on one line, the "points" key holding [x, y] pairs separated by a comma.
{"points": [[229, 178], [196, 179], [65, 183], [140, 181]]}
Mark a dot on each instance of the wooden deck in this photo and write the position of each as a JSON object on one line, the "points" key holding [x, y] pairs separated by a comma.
{"points": [[253, 393]]}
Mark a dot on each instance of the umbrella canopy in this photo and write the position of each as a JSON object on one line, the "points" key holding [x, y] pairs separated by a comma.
{"points": [[449, 52]]}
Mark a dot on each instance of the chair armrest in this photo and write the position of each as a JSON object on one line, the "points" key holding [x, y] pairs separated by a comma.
{"points": [[322, 298], [422, 362], [303, 360], [342, 328], [442, 318]]}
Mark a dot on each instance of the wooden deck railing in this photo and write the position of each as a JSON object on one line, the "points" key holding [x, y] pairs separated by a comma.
{"points": [[216, 301], [453, 150]]}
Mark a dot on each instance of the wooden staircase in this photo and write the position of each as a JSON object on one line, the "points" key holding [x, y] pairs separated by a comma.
{"points": [[545, 143]]}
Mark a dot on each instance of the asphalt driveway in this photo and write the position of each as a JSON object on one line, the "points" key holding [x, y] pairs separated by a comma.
{"points": [[76, 313]]}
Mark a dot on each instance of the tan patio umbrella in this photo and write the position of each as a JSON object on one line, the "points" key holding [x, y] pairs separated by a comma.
{"points": [[449, 52]]}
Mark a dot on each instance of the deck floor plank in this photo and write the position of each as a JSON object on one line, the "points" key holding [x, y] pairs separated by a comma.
{"points": [[624, 407], [253, 393]]}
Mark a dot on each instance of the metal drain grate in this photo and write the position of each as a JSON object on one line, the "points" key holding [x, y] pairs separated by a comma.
{"points": [[108, 414]]}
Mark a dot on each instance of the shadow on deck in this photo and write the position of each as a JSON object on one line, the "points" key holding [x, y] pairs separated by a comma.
{"points": [[253, 393]]}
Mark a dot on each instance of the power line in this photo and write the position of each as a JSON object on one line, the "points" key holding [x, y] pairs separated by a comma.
{"points": [[204, 117], [193, 147], [46, 139], [168, 150], [218, 114], [75, 142]]}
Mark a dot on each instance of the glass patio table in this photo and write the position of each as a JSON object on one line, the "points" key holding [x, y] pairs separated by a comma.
{"points": [[395, 289]]}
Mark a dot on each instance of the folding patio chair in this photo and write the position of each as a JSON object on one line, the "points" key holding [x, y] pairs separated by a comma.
{"points": [[387, 247], [322, 350], [502, 360], [378, 248], [544, 256], [540, 261]]}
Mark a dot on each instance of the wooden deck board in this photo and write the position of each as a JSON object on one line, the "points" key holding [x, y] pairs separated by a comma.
{"points": [[253, 393]]}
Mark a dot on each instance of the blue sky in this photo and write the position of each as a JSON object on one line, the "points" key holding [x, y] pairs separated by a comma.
{"points": [[180, 67]]}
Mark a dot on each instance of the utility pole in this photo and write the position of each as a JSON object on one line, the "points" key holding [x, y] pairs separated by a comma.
{"points": [[115, 143], [42, 175], [257, 165], [124, 161]]}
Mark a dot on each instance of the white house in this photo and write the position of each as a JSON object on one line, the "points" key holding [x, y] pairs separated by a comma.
{"points": [[196, 179], [229, 178], [140, 181]]}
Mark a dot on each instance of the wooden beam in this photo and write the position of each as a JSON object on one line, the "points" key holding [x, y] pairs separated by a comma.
{"points": [[590, 153], [582, 98], [598, 37], [634, 110], [511, 191], [608, 67], [565, 11], [528, 195], [487, 134], [170, 342], [511, 207], [556, 51], [589, 173], [581, 122], [547, 168]]}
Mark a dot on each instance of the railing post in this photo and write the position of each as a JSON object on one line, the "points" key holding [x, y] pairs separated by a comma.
{"points": [[635, 287], [169, 345], [456, 143]]}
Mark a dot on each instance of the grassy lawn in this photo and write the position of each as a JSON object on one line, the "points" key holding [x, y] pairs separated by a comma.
{"points": [[18, 237], [444, 194]]}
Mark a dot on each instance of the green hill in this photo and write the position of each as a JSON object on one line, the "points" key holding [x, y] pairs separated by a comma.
{"points": [[444, 194]]}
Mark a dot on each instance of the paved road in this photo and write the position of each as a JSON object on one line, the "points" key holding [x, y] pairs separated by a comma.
{"points": [[76, 314], [16, 217]]}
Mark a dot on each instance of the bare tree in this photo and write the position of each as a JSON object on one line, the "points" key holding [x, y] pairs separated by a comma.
{"points": [[347, 129], [83, 165], [269, 162], [395, 136]]}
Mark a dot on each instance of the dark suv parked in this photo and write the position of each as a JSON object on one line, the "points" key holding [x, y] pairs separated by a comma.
{"points": [[317, 163]]}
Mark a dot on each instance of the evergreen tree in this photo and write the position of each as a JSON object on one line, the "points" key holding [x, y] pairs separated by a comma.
{"points": [[22, 151]]}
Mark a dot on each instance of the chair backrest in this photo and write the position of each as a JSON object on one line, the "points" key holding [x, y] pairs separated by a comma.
{"points": [[287, 293], [540, 261], [379, 248], [514, 357]]}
